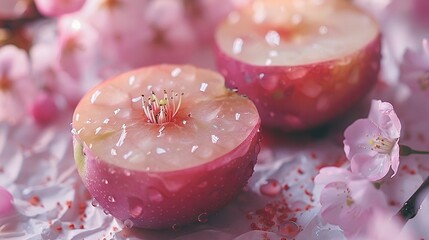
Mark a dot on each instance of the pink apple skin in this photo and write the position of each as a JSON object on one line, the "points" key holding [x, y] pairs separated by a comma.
{"points": [[158, 200], [305, 96]]}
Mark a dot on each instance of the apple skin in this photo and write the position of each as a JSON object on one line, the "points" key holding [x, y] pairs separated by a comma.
{"points": [[159, 200], [304, 96]]}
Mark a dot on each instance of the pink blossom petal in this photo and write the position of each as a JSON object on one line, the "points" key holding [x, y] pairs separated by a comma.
{"points": [[372, 167], [332, 174], [6, 198], [383, 115], [358, 137], [394, 159]]}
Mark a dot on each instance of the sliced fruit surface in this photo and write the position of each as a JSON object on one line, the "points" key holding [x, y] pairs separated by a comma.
{"points": [[295, 32], [163, 118]]}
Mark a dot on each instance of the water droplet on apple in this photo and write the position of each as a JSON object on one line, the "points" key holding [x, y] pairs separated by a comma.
{"points": [[111, 199], [271, 189], [127, 172], [176, 227], [95, 203], [203, 217], [136, 211], [273, 38], [112, 171], [128, 223], [288, 229], [105, 181], [237, 45], [105, 211], [155, 196]]}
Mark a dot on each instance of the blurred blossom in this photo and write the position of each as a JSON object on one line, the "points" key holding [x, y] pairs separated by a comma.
{"points": [[17, 90], [50, 76], [54, 8], [14, 9], [371, 144], [414, 69], [382, 226], [348, 200]]}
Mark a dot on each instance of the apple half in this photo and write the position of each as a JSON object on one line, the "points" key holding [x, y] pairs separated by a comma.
{"points": [[303, 62], [162, 145]]}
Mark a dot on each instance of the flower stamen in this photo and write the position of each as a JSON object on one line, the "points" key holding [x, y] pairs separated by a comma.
{"points": [[382, 145], [161, 110]]}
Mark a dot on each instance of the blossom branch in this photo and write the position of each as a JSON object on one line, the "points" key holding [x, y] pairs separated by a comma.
{"points": [[411, 207]]}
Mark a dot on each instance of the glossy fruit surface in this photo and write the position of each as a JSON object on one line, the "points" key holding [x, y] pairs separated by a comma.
{"points": [[303, 63], [163, 161]]}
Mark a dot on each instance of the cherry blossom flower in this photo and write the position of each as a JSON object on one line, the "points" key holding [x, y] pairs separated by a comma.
{"points": [[16, 88], [371, 144], [348, 199], [54, 81], [415, 69]]}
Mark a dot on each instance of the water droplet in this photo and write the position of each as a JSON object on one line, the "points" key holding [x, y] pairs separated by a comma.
{"points": [[175, 72], [155, 196], [203, 87], [128, 154], [113, 152], [128, 223], [106, 212], [112, 170], [194, 148], [289, 229], [271, 189], [136, 211], [160, 150], [111, 199], [215, 138], [105, 181], [97, 130], [272, 114], [95, 203], [176, 227], [237, 45], [272, 38], [203, 217], [132, 80], [237, 116], [95, 96], [127, 172]]}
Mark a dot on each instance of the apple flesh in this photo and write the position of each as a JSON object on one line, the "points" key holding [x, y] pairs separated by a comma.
{"points": [[164, 174], [303, 63]]}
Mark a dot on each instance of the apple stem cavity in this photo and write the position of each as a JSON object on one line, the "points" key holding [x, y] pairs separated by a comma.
{"points": [[161, 110]]}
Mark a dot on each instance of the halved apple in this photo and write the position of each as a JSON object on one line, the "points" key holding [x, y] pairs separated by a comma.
{"points": [[165, 144], [303, 62]]}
